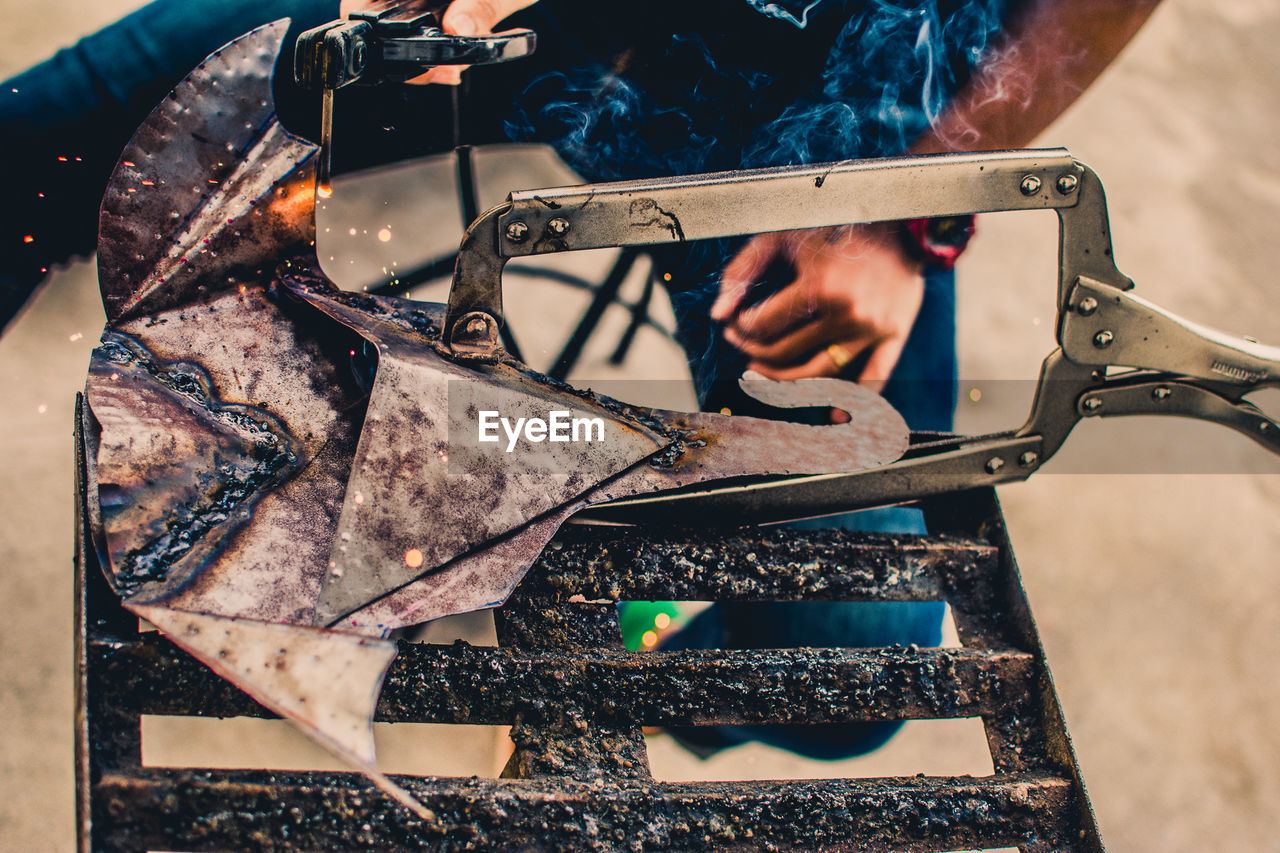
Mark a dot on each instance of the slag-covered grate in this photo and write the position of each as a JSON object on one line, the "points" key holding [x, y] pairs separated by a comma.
{"points": [[577, 701]]}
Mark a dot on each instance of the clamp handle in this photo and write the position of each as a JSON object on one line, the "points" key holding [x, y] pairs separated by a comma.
{"points": [[1104, 327], [395, 40]]}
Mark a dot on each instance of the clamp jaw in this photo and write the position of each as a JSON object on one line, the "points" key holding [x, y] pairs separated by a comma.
{"points": [[388, 41], [1118, 354]]}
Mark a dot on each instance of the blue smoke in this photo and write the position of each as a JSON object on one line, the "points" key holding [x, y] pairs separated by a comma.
{"points": [[791, 12], [890, 72], [890, 69], [833, 80]]}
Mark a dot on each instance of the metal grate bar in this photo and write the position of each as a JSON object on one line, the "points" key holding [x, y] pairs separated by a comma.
{"points": [[207, 810], [778, 564], [486, 686], [756, 564]]}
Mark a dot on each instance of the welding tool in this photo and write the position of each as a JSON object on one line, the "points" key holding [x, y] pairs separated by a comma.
{"points": [[388, 41], [1118, 354]]}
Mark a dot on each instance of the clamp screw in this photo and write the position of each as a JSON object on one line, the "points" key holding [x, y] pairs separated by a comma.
{"points": [[1161, 393], [517, 231], [477, 326], [1067, 184], [1028, 459], [559, 227], [1087, 306], [994, 464], [1030, 185], [1091, 404], [1103, 339]]}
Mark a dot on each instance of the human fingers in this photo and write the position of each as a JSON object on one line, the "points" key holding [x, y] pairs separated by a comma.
{"points": [[791, 347], [445, 75], [479, 17], [821, 363], [741, 272], [794, 306]]}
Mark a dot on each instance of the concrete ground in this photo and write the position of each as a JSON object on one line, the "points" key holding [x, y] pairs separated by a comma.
{"points": [[1156, 593]]}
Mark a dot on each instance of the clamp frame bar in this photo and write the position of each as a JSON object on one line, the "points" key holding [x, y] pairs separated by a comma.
{"points": [[728, 204]]}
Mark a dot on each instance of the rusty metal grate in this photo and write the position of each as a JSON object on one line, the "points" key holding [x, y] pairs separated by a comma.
{"points": [[577, 701]]}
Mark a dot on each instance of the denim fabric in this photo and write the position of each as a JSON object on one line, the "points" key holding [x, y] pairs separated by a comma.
{"points": [[923, 389]]}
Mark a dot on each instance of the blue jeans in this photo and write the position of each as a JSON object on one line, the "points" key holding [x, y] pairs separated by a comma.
{"points": [[923, 388]]}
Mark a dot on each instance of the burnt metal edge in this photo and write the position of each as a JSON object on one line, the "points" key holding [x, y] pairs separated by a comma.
{"points": [[276, 455]]}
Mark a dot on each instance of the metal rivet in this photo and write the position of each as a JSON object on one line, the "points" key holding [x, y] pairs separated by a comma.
{"points": [[1264, 426], [994, 464], [1067, 184], [1087, 306], [1161, 393], [474, 334], [1091, 404], [1028, 459], [1103, 339], [517, 231], [558, 226], [1030, 185]]}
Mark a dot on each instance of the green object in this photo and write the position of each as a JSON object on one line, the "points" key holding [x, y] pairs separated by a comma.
{"points": [[638, 618]]}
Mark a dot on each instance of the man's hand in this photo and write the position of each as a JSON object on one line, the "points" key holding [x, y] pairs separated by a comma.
{"points": [[857, 293], [855, 297], [462, 18]]}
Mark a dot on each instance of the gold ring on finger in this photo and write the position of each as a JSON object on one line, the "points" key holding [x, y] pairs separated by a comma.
{"points": [[840, 356]]}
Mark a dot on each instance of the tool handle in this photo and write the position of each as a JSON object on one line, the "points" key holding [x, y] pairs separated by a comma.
{"points": [[402, 58], [1102, 327], [395, 41], [332, 55]]}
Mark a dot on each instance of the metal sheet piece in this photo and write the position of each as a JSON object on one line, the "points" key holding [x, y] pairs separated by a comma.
{"points": [[709, 447], [224, 419], [224, 501], [326, 682], [270, 455], [173, 462], [211, 189], [422, 493]]}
